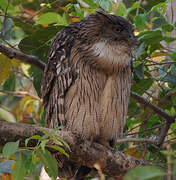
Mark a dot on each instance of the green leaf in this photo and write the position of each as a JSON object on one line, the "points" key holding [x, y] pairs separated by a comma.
{"points": [[173, 56], [36, 137], [43, 144], [60, 141], [19, 169], [58, 148], [168, 27], [4, 4], [49, 134], [10, 148], [121, 10], [140, 21], [50, 163], [50, 18], [160, 8], [144, 85], [169, 39], [139, 70], [136, 5], [148, 36], [144, 173]]}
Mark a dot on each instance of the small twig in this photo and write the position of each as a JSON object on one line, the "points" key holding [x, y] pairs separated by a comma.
{"points": [[21, 93], [146, 130], [20, 19], [144, 140], [137, 10], [13, 53]]}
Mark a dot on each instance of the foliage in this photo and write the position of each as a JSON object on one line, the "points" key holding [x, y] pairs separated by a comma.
{"points": [[30, 26]]}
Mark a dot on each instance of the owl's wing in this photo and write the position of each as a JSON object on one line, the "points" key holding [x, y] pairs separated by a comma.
{"points": [[58, 77]]}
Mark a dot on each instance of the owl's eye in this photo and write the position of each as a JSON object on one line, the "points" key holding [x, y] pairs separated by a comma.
{"points": [[117, 29]]}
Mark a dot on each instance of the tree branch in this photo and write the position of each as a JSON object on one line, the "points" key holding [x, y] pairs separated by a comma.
{"points": [[111, 162], [13, 53]]}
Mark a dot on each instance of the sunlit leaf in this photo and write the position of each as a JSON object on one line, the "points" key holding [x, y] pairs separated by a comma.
{"points": [[7, 116], [50, 18]]}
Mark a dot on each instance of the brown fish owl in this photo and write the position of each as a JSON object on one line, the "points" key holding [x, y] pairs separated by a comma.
{"points": [[87, 79]]}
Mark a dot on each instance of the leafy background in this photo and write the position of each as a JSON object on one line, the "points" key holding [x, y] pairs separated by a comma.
{"points": [[30, 25]]}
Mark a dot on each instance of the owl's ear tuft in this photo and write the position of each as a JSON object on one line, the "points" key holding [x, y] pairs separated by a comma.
{"points": [[103, 14], [101, 10]]}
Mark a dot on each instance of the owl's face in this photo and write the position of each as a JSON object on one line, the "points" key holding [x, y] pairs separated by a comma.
{"points": [[114, 29]]}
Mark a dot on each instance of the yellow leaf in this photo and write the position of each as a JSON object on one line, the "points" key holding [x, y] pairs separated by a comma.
{"points": [[159, 56], [75, 19], [5, 66], [133, 152]]}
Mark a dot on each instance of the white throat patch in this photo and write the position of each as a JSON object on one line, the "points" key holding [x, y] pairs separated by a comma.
{"points": [[113, 54]]}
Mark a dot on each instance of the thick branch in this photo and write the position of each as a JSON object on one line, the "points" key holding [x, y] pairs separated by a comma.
{"points": [[13, 53], [112, 162]]}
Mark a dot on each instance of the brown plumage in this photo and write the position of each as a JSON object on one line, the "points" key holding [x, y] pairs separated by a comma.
{"points": [[87, 79]]}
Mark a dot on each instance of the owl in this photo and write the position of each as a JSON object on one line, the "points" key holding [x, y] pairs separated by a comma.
{"points": [[87, 78]]}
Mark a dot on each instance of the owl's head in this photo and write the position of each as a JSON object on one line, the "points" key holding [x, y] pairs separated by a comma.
{"points": [[112, 28]]}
